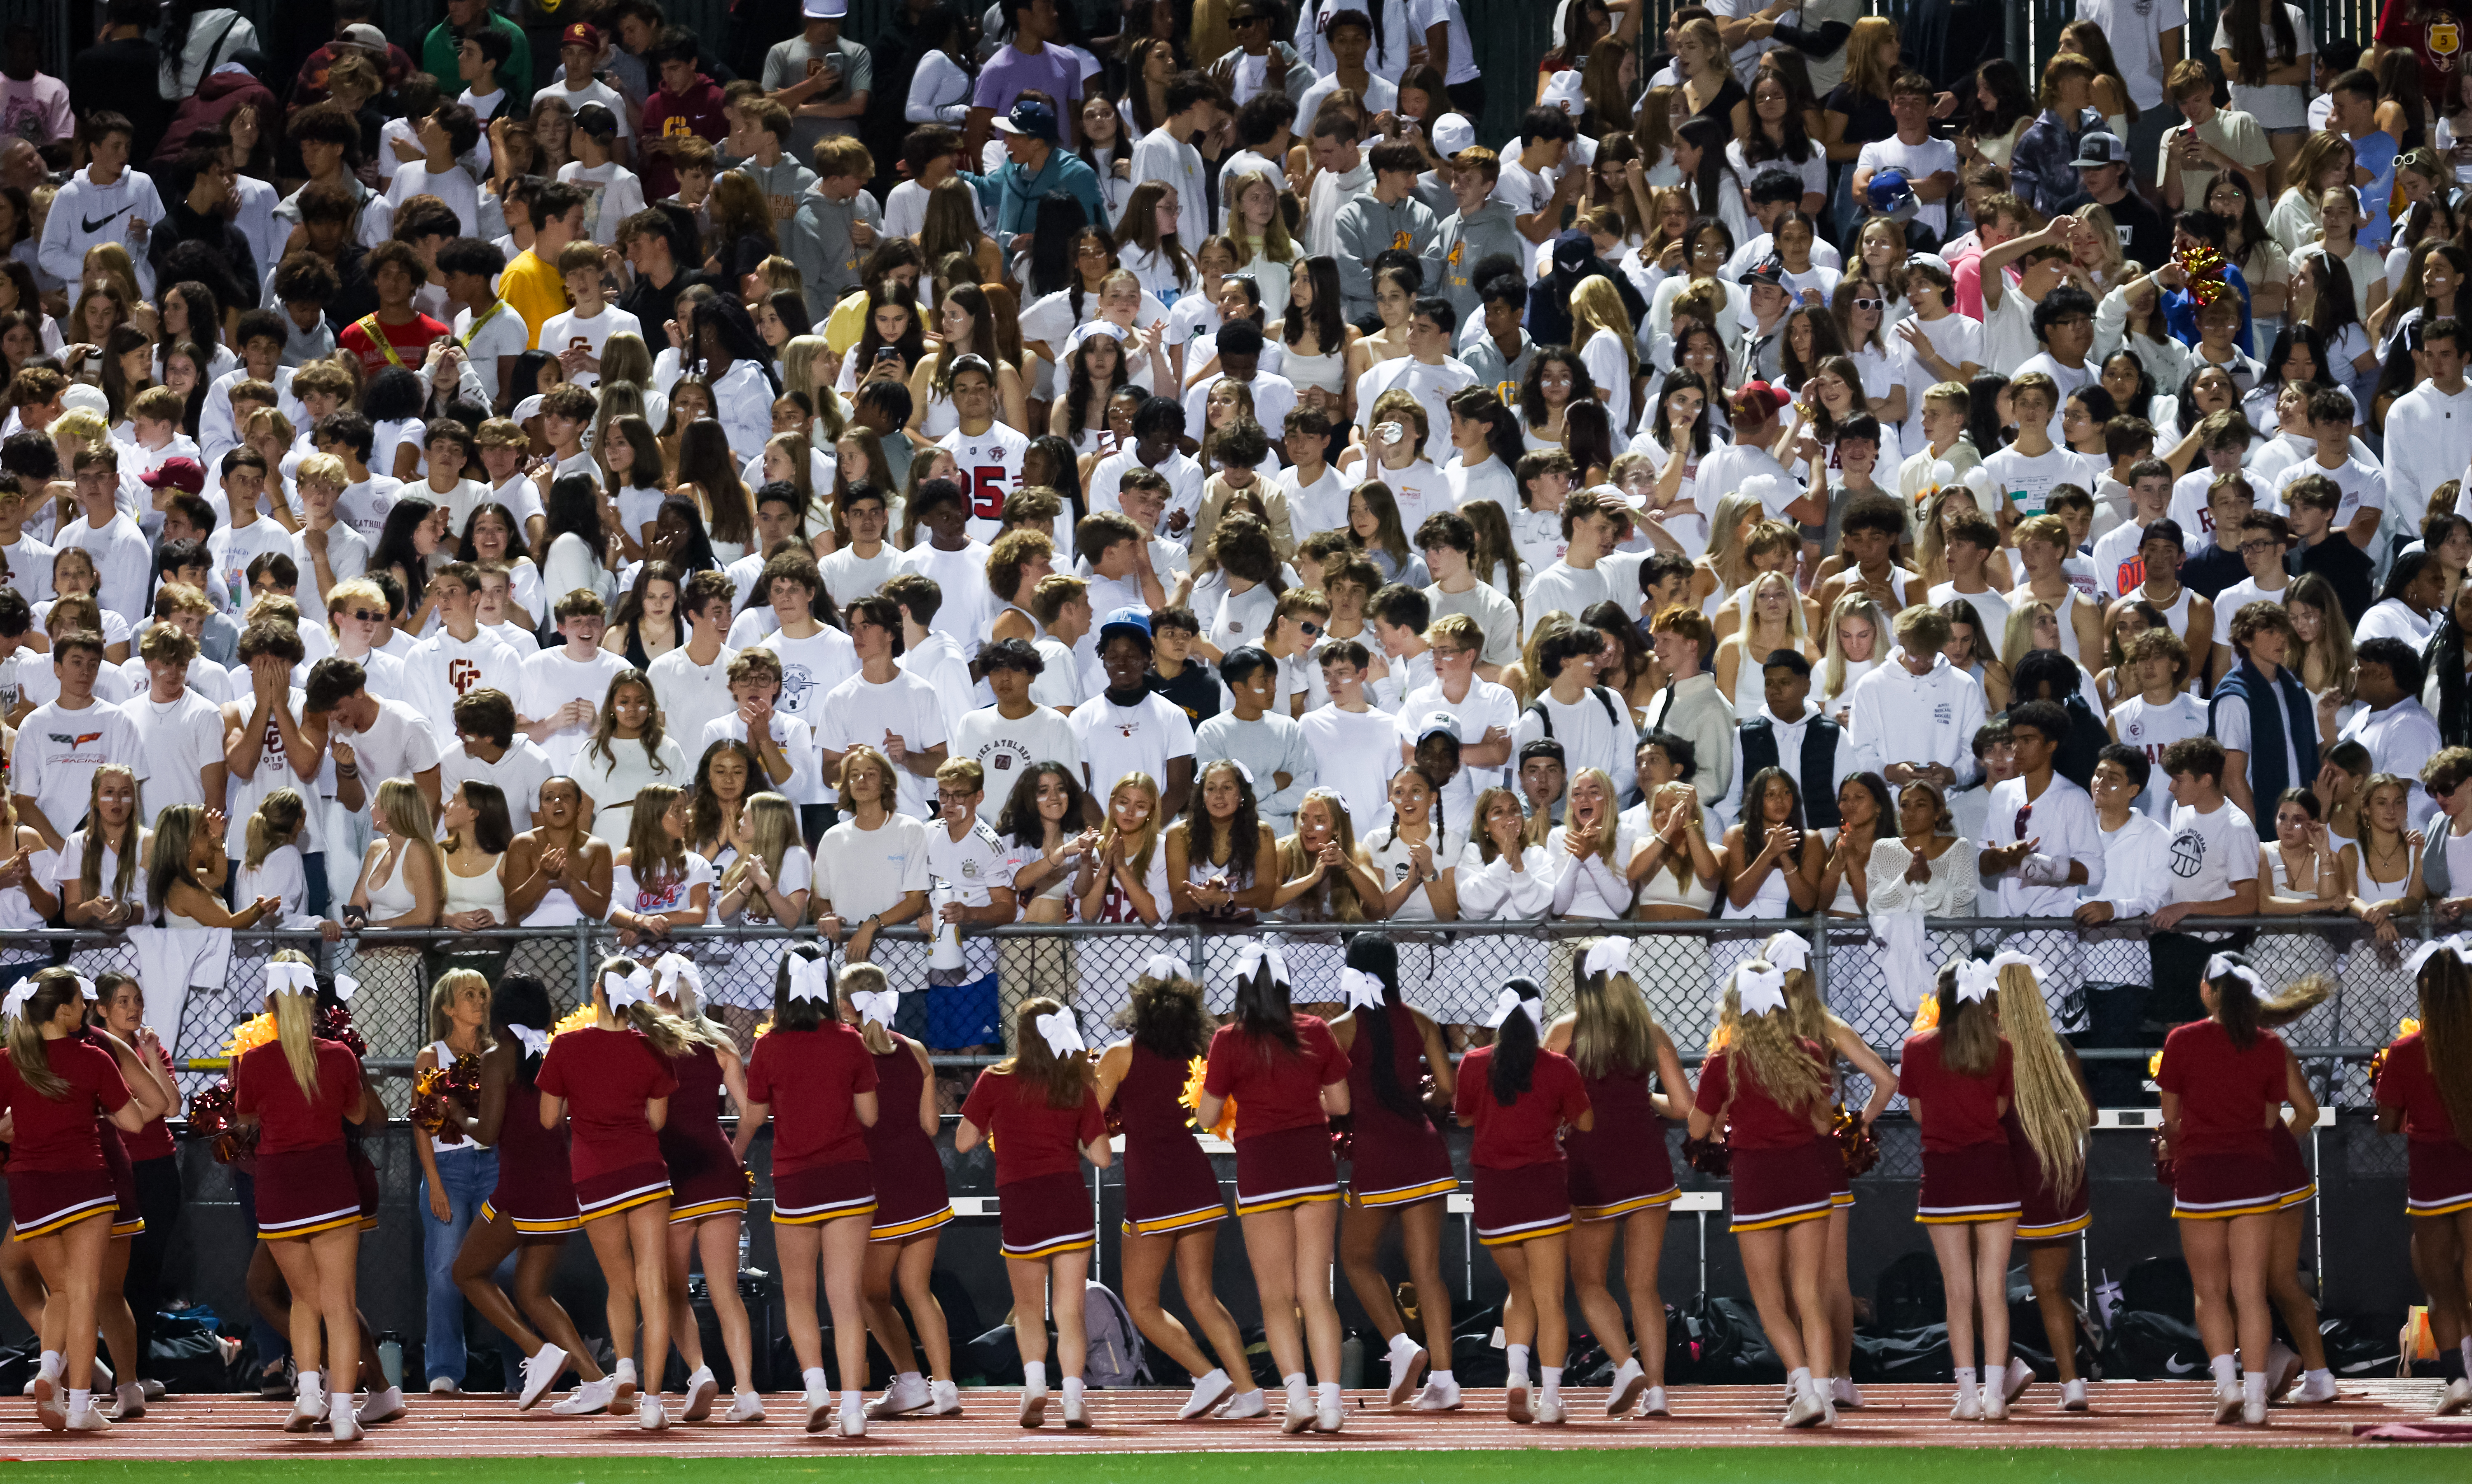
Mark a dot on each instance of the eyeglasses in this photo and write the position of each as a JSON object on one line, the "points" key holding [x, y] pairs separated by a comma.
{"points": [[2259, 548]]}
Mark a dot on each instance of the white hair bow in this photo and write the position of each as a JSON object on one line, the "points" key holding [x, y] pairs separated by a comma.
{"points": [[15, 1001], [1360, 990], [1761, 987], [671, 967], [877, 1006], [1061, 1033], [345, 987], [628, 986], [811, 978], [1511, 1002], [1789, 951], [2460, 945], [86, 988], [2219, 965], [536, 1043], [1974, 980], [1254, 954], [1164, 967], [1608, 956], [290, 978]]}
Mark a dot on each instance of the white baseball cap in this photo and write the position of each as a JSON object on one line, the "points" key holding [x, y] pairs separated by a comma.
{"points": [[826, 9], [1451, 133], [1564, 92]]}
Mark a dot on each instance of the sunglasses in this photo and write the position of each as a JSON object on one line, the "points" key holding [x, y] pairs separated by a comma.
{"points": [[1870, 303], [1312, 629], [363, 615]]}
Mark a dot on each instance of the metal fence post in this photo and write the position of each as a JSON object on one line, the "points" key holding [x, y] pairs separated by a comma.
{"points": [[1817, 928], [584, 961]]}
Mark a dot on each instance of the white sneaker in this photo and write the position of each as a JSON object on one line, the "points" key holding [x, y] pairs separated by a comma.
{"points": [[1299, 1414], [1255, 1402], [702, 1390], [1514, 1400], [50, 1404], [1809, 1408], [2228, 1403], [2015, 1380], [1330, 1414], [382, 1406], [1628, 1383], [540, 1372], [1652, 1404], [307, 1412], [90, 1420], [1076, 1411], [1969, 1405], [2282, 1368], [154, 1391], [1406, 1367], [2073, 1395], [443, 1386], [2253, 1411], [650, 1415], [587, 1400], [625, 1391], [2456, 1398], [1033, 1405], [347, 1425], [1995, 1404], [2312, 1392], [1439, 1396], [854, 1421], [1549, 1410], [127, 1402], [1207, 1393], [902, 1395], [1843, 1392], [819, 1405], [745, 1406], [943, 1399]]}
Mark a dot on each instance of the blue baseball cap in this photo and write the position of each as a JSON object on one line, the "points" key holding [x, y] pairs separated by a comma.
{"points": [[1132, 623], [1031, 118]]}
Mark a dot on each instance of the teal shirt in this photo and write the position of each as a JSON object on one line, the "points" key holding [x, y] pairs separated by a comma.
{"points": [[437, 59]]}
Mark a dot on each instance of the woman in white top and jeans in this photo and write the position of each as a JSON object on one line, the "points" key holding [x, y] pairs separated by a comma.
{"points": [[455, 1173]]}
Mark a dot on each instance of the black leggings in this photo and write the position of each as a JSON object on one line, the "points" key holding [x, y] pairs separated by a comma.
{"points": [[159, 1200]]}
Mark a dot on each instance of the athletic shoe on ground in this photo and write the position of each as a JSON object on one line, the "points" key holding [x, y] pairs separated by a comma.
{"points": [[1033, 1405], [307, 1412], [540, 1372], [2313, 1392], [819, 1405], [1255, 1402], [2228, 1403], [1843, 1392], [854, 1421], [2015, 1380], [1076, 1411], [90, 1420], [1995, 1405], [127, 1404], [2253, 1411], [2073, 1395], [1406, 1367], [2456, 1399], [1969, 1405], [346, 1428], [904, 1395], [1549, 1410], [1300, 1415], [154, 1391], [1208, 1392], [2282, 1369], [1514, 1400], [744, 1406], [1628, 1383], [589, 1399], [943, 1399], [1810, 1409], [621, 1402], [650, 1415], [383, 1407], [1652, 1404], [702, 1389], [1439, 1396], [443, 1386], [1330, 1414]]}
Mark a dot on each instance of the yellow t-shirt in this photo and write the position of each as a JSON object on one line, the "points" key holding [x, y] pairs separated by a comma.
{"points": [[536, 290]]}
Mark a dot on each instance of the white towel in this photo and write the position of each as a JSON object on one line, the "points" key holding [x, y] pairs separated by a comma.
{"points": [[1897, 942], [171, 960]]}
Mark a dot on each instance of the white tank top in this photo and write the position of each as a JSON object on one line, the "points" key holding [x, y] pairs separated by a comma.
{"points": [[488, 889], [392, 897], [2378, 891]]}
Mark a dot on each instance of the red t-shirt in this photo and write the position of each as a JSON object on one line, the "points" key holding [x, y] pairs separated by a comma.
{"points": [[1275, 1090], [809, 1079], [2405, 1082], [1958, 1109], [288, 1122], [1758, 1122], [58, 1134], [411, 341], [1522, 1134], [1032, 1138], [154, 1142], [607, 1076], [2436, 31], [2224, 1092]]}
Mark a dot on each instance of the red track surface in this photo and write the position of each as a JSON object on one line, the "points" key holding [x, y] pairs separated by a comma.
{"points": [[2158, 1414]]}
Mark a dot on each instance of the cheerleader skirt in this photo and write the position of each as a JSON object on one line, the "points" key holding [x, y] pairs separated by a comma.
{"points": [[44, 1201], [365, 1183], [705, 1178], [1398, 1162], [1611, 1178], [2296, 1185], [909, 1198], [126, 1218], [1046, 1215], [824, 1192], [1169, 1187], [302, 1192], [1978, 1182], [537, 1196], [1775, 1188], [2219, 1186], [1291, 1167], [2439, 1182], [1841, 1187], [620, 1190], [1523, 1204], [2043, 1215]]}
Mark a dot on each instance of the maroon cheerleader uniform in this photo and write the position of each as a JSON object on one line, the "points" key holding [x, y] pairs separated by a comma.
{"points": [[1282, 1136], [1968, 1175], [1394, 1160], [1620, 1165], [910, 1196], [1522, 1189], [811, 1079], [58, 1175], [1782, 1171], [2224, 1162], [128, 1218], [536, 1189], [2045, 1214], [2296, 1185], [607, 1077], [705, 1177], [305, 1184], [1043, 1205], [1169, 1183], [2439, 1182]]}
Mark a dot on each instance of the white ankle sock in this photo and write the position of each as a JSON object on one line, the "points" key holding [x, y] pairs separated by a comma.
{"points": [[1518, 1357], [626, 1373], [309, 1386], [1294, 1383], [1552, 1375], [1217, 1373], [852, 1400], [813, 1380], [1033, 1375], [1402, 1343], [79, 1399], [2322, 1376], [1968, 1378], [1444, 1376], [1328, 1391], [50, 1364], [1073, 1387], [2227, 1370], [2253, 1386], [908, 1378], [1798, 1376]]}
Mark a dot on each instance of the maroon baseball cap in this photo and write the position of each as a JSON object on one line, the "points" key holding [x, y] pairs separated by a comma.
{"points": [[1769, 399], [181, 473], [580, 34]]}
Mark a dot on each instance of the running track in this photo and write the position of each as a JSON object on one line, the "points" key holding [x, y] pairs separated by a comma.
{"points": [[2159, 1414]]}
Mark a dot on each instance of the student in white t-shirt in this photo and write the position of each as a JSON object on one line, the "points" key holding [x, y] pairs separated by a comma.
{"points": [[612, 191], [884, 707], [557, 702], [2214, 873], [1130, 728], [445, 135], [576, 335]]}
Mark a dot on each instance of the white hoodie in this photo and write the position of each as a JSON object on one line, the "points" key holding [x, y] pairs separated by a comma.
{"points": [[85, 213], [1900, 717]]}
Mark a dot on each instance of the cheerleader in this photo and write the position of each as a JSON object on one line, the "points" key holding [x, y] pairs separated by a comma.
{"points": [[2424, 1089], [530, 1212], [2046, 1124], [1036, 1108], [707, 1193], [119, 1013], [910, 1207], [55, 1085], [614, 1073], [298, 1091], [1172, 1206], [1765, 1087], [1621, 1179], [2223, 1079], [1397, 1163], [1288, 1078], [113, 1311], [1517, 1096], [2306, 1357], [1960, 1079], [816, 1073]]}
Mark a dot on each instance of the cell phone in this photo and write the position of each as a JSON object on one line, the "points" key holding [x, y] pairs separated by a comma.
{"points": [[885, 353]]}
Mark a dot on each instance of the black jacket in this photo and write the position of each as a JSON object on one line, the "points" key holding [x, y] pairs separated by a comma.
{"points": [[212, 232]]}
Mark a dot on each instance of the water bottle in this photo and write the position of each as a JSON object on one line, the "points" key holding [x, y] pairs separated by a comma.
{"points": [[1352, 1361], [745, 1242], [390, 1358]]}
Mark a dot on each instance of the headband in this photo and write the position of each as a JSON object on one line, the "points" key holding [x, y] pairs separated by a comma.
{"points": [[1511, 1002], [812, 978], [1061, 1033], [535, 1042], [630, 986], [1609, 957], [1761, 987], [1789, 951], [1361, 989], [286, 977], [1254, 954]]}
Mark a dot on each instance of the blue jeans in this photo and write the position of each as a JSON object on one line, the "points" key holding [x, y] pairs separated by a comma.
{"points": [[468, 1176]]}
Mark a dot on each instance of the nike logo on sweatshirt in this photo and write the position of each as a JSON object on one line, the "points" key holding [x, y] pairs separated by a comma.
{"points": [[93, 224]]}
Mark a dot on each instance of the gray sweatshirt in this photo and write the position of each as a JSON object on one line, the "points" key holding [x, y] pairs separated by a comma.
{"points": [[1461, 243], [818, 239], [1367, 227], [1274, 744]]}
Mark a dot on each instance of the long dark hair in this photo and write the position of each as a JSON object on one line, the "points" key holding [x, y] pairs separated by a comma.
{"points": [[1374, 953], [1020, 820], [2335, 307], [1756, 795], [1079, 388], [1710, 135], [1053, 267], [521, 999], [1262, 1012], [911, 346], [1329, 327], [2444, 661], [395, 545], [1514, 1068], [2012, 99], [573, 508], [1682, 379], [698, 556], [1794, 145], [2244, 24], [1983, 427], [728, 318], [1244, 827]]}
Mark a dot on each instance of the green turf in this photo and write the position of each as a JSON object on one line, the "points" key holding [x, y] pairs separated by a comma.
{"points": [[1612, 1466]]}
